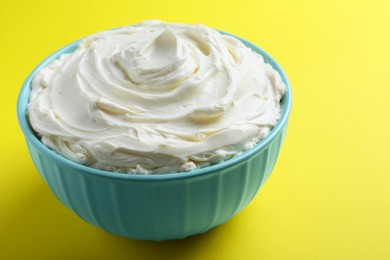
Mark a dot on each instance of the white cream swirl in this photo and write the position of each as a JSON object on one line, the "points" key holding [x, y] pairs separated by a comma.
{"points": [[155, 98]]}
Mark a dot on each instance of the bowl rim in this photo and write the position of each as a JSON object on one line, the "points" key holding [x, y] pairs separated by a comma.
{"points": [[23, 100]]}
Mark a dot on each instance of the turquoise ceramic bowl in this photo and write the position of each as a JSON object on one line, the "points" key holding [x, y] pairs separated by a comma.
{"points": [[156, 207]]}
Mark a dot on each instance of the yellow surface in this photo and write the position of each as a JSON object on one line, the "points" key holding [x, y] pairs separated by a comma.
{"points": [[329, 195]]}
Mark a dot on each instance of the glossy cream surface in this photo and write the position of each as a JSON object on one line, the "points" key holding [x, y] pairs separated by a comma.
{"points": [[155, 98]]}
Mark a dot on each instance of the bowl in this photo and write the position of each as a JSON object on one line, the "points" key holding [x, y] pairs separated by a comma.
{"points": [[163, 206]]}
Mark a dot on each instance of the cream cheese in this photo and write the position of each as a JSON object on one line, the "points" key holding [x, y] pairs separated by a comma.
{"points": [[155, 98]]}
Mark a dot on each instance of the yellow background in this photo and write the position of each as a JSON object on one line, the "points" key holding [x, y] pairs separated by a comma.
{"points": [[329, 195]]}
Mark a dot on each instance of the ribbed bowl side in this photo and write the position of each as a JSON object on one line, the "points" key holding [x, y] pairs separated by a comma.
{"points": [[64, 182], [190, 206], [161, 210]]}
